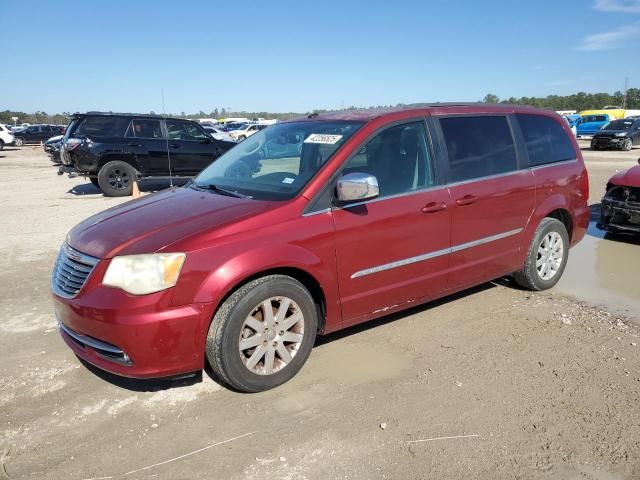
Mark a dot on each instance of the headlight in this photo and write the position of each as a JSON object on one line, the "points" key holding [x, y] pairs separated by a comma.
{"points": [[142, 274], [621, 134]]}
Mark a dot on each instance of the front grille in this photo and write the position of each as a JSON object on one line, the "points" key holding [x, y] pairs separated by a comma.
{"points": [[71, 271]]}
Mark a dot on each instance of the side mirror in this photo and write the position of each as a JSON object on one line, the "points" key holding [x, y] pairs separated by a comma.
{"points": [[357, 186]]}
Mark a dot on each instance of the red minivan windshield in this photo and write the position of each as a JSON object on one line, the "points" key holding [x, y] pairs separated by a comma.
{"points": [[275, 163]]}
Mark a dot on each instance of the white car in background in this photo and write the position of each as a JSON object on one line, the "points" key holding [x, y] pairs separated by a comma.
{"points": [[218, 134], [6, 136], [246, 131]]}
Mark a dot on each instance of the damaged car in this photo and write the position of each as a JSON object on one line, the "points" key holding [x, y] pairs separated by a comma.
{"points": [[620, 207]]}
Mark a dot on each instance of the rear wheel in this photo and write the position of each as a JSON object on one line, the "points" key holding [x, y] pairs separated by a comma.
{"points": [[116, 178], [262, 334], [19, 141], [547, 256]]}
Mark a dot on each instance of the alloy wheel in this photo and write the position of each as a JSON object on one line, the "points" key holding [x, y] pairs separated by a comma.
{"points": [[271, 335], [550, 255], [119, 179]]}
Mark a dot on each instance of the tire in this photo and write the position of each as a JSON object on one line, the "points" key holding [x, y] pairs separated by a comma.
{"points": [[533, 276], [94, 180], [1, 145], [627, 145], [19, 141], [116, 178], [241, 138], [237, 367]]}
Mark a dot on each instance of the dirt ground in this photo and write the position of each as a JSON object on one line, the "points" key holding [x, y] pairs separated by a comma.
{"points": [[492, 383]]}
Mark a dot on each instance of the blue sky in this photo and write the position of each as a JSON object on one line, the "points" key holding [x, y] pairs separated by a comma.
{"points": [[283, 55]]}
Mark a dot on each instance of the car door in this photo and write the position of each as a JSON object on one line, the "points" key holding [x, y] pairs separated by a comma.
{"points": [[492, 198], [394, 249], [192, 149], [145, 142]]}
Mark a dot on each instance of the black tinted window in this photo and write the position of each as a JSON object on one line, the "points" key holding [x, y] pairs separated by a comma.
{"points": [[184, 131], [144, 128], [478, 146], [399, 159], [546, 140], [99, 127]]}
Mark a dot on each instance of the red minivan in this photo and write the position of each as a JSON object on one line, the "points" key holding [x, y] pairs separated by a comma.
{"points": [[316, 224]]}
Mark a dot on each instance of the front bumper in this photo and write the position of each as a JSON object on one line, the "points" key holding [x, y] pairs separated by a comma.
{"points": [[608, 142], [618, 213], [134, 336]]}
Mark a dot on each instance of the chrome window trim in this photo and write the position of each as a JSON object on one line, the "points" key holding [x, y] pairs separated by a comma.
{"points": [[435, 254], [488, 177], [552, 164]]}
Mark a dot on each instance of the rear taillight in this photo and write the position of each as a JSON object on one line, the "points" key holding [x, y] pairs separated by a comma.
{"points": [[584, 184], [73, 143]]}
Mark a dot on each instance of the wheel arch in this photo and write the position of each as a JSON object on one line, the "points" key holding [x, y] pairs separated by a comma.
{"points": [[302, 276], [563, 215], [120, 157]]}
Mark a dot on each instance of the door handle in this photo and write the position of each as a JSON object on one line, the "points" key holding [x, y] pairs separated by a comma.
{"points": [[175, 145], [134, 144], [433, 207], [466, 200]]}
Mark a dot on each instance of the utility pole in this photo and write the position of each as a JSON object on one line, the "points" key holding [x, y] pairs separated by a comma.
{"points": [[624, 95]]}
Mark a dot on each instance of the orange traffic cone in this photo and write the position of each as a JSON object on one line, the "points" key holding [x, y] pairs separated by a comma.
{"points": [[135, 192]]}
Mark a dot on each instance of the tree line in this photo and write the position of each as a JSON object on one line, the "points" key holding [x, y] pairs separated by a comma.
{"points": [[577, 101]]}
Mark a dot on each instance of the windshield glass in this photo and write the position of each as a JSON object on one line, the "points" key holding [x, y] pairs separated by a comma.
{"points": [[275, 163], [619, 125]]}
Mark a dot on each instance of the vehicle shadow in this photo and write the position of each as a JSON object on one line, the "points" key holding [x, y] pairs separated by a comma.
{"points": [[145, 186], [144, 385], [7, 149]]}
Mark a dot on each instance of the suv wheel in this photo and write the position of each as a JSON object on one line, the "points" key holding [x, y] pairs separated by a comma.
{"points": [[627, 145], [547, 256], [19, 141], [1, 145], [116, 178], [262, 334]]}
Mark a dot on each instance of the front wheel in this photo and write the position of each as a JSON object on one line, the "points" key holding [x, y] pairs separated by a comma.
{"points": [[262, 334], [627, 145], [547, 256], [116, 178], [19, 141]]}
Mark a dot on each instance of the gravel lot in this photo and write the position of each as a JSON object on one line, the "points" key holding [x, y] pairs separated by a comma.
{"points": [[492, 383]]}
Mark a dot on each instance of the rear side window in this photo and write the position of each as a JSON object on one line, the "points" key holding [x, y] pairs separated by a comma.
{"points": [[100, 127], [546, 140], [478, 147], [144, 128]]}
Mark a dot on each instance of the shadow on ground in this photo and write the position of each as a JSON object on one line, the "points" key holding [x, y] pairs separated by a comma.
{"points": [[146, 186]]}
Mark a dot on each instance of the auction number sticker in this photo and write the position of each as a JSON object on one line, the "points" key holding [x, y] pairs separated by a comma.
{"points": [[323, 138]]}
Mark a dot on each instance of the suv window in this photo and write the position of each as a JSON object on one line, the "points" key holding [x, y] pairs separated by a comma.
{"points": [[478, 146], [144, 128], [98, 126], [399, 159], [185, 131], [546, 140]]}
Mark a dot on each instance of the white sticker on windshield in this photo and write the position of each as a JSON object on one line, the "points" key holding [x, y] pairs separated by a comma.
{"points": [[288, 180], [323, 138]]}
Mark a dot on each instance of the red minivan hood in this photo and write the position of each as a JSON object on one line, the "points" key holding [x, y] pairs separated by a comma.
{"points": [[153, 222], [628, 178]]}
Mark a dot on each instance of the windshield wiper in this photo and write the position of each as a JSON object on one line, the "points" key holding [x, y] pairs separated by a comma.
{"points": [[223, 191]]}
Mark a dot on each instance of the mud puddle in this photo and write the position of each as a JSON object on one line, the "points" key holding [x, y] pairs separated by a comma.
{"points": [[604, 269]]}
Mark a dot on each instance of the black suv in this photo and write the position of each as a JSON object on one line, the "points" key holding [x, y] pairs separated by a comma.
{"points": [[619, 134], [37, 134], [115, 149]]}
